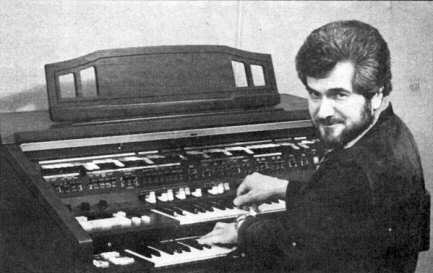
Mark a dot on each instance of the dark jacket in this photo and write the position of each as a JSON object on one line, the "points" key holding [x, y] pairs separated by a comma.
{"points": [[361, 205]]}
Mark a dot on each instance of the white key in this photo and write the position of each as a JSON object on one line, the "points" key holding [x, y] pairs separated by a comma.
{"points": [[216, 214], [273, 207]]}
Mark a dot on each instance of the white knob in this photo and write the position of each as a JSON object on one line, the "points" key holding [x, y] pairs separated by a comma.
{"points": [[151, 197], [170, 195], [181, 194], [145, 219]]}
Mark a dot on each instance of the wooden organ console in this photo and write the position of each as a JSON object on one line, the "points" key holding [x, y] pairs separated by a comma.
{"points": [[140, 153]]}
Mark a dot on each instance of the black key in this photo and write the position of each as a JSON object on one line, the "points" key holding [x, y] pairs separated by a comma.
{"points": [[226, 203], [205, 205], [217, 204], [184, 248], [134, 163], [198, 207], [177, 247], [175, 208], [185, 208], [173, 246], [165, 248], [107, 166], [166, 210], [175, 211], [205, 246], [273, 200], [154, 252], [193, 243], [148, 252], [189, 208], [269, 202]]}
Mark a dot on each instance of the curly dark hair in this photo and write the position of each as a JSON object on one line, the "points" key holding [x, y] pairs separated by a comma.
{"points": [[353, 41]]}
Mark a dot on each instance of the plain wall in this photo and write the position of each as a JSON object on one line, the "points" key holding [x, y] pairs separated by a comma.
{"points": [[34, 33]]}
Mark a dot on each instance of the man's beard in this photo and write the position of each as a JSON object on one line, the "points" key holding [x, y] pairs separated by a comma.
{"points": [[349, 132]]}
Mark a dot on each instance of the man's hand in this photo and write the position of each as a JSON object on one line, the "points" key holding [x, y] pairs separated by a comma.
{"points": [[257, 187], [222, 233]]}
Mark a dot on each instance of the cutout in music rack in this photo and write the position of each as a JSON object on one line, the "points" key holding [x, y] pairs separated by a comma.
{"points": [[88, 82], [67, 86], [239, 74], [258, 75]]}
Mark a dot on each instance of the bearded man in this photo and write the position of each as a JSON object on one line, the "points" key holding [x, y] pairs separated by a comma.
{"points": [[360, 210]]}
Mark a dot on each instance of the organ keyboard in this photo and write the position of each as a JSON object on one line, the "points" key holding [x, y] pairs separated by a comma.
{"points": [[135, 161], [179, 251]]}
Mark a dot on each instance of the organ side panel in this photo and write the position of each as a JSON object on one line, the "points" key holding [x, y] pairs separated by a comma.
{"points": [[35, 240]]}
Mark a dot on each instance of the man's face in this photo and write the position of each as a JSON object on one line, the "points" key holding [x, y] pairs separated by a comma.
{"points": [[339, 114]]}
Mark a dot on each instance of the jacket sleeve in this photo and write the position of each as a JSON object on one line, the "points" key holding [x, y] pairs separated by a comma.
{"points": [[331, 217]]}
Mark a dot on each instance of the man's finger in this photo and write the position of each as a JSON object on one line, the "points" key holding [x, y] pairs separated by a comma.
{"points": [[219, 225], [209, 239], [243, 188], [205, 236], [205, 240], [243, 199]]}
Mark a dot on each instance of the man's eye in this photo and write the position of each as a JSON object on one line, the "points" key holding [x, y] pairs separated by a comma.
{"points": [[314, 95], [340, 95]]}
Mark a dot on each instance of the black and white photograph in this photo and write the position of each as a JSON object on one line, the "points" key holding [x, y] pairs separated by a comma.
{"points": [[216, 136]]}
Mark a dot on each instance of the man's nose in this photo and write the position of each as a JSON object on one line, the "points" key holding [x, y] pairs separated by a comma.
{"points": [[326, 109]]}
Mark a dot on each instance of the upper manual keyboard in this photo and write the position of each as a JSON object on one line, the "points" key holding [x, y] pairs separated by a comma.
{"points": [[209, 207]]}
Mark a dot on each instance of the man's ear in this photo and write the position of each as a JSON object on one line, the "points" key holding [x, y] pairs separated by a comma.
{"points": [[376, 100]]}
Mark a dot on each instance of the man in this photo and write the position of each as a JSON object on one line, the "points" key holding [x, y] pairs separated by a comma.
{"points": [[360, 210]]}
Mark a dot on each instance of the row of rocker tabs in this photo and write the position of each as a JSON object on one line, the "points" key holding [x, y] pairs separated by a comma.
{"points": [[162, 254], [157, 159], [184, 192]]}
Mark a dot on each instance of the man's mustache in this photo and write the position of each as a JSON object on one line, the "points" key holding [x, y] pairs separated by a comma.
{"points": [[329, 121]]}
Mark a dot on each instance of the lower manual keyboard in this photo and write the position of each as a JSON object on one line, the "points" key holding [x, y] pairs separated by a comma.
{"points": [[177, 252]]}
